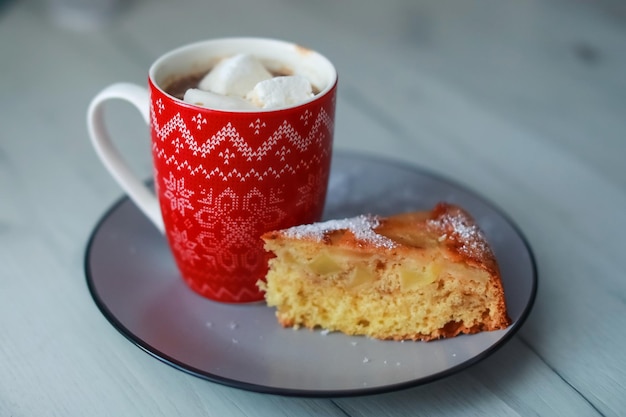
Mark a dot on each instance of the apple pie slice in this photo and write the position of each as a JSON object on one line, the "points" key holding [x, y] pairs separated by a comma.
{"points": [[418, 276]]}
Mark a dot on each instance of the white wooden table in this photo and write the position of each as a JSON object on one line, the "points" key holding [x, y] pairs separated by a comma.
{"points": [[523, 102]]}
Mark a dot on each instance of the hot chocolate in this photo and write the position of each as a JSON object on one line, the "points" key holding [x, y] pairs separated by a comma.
{"points": [[241, 82], [178, 86]]}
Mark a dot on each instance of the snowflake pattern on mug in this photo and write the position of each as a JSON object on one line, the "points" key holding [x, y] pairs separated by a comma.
{"points": [[177, 194], [184, 246], [224, 180]]}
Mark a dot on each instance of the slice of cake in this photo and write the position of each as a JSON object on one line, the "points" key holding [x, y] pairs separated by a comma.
{"points": [[419, 276]]}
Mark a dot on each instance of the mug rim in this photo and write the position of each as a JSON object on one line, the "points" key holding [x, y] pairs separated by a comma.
{"points": [[169, 56]]}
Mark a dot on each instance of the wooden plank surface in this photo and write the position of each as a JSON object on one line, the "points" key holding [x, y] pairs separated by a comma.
{"points": [[522, 102]]}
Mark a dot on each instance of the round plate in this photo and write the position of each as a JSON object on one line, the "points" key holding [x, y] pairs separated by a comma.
{"points": [[134, 282]]}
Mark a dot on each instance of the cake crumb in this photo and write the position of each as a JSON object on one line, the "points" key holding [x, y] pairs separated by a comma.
{"points": [[366, 359], [233, 325], [324, 332]]}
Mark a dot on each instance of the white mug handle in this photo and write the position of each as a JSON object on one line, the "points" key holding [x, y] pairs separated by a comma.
{"points": [[141, 195]]}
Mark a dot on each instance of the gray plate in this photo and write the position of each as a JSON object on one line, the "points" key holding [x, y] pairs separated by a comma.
{"points": [[134, 282]]}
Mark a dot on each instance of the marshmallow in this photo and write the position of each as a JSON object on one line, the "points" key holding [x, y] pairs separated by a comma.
{"points": [[281, 91], [235, 76], [216, 101]]}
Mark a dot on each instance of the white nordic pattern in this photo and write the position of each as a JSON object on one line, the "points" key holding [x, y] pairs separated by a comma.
{"points": [[313, 187], [160, 105], [230, 218], [306, 116], [256, 205], [185, 247], [238, 145], [257, 125], [177, 194], [199, 120]]}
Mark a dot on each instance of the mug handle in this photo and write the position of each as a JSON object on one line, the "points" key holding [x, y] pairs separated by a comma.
{"points": [[141, 195]]}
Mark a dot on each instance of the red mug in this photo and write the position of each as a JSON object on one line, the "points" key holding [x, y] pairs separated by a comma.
{"points": [[224, 177]]}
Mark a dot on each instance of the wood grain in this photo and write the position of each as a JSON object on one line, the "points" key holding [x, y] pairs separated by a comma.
{"points": [[523, 102]]}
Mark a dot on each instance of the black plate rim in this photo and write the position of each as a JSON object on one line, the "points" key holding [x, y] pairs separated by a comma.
{"points": [[146, 347]]}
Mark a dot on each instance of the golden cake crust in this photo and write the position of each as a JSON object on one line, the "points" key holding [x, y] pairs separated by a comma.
{"points": [[445, 246]]}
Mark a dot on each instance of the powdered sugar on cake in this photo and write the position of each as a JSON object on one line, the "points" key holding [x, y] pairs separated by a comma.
{"points": [[362, 227], [458, 226]]}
